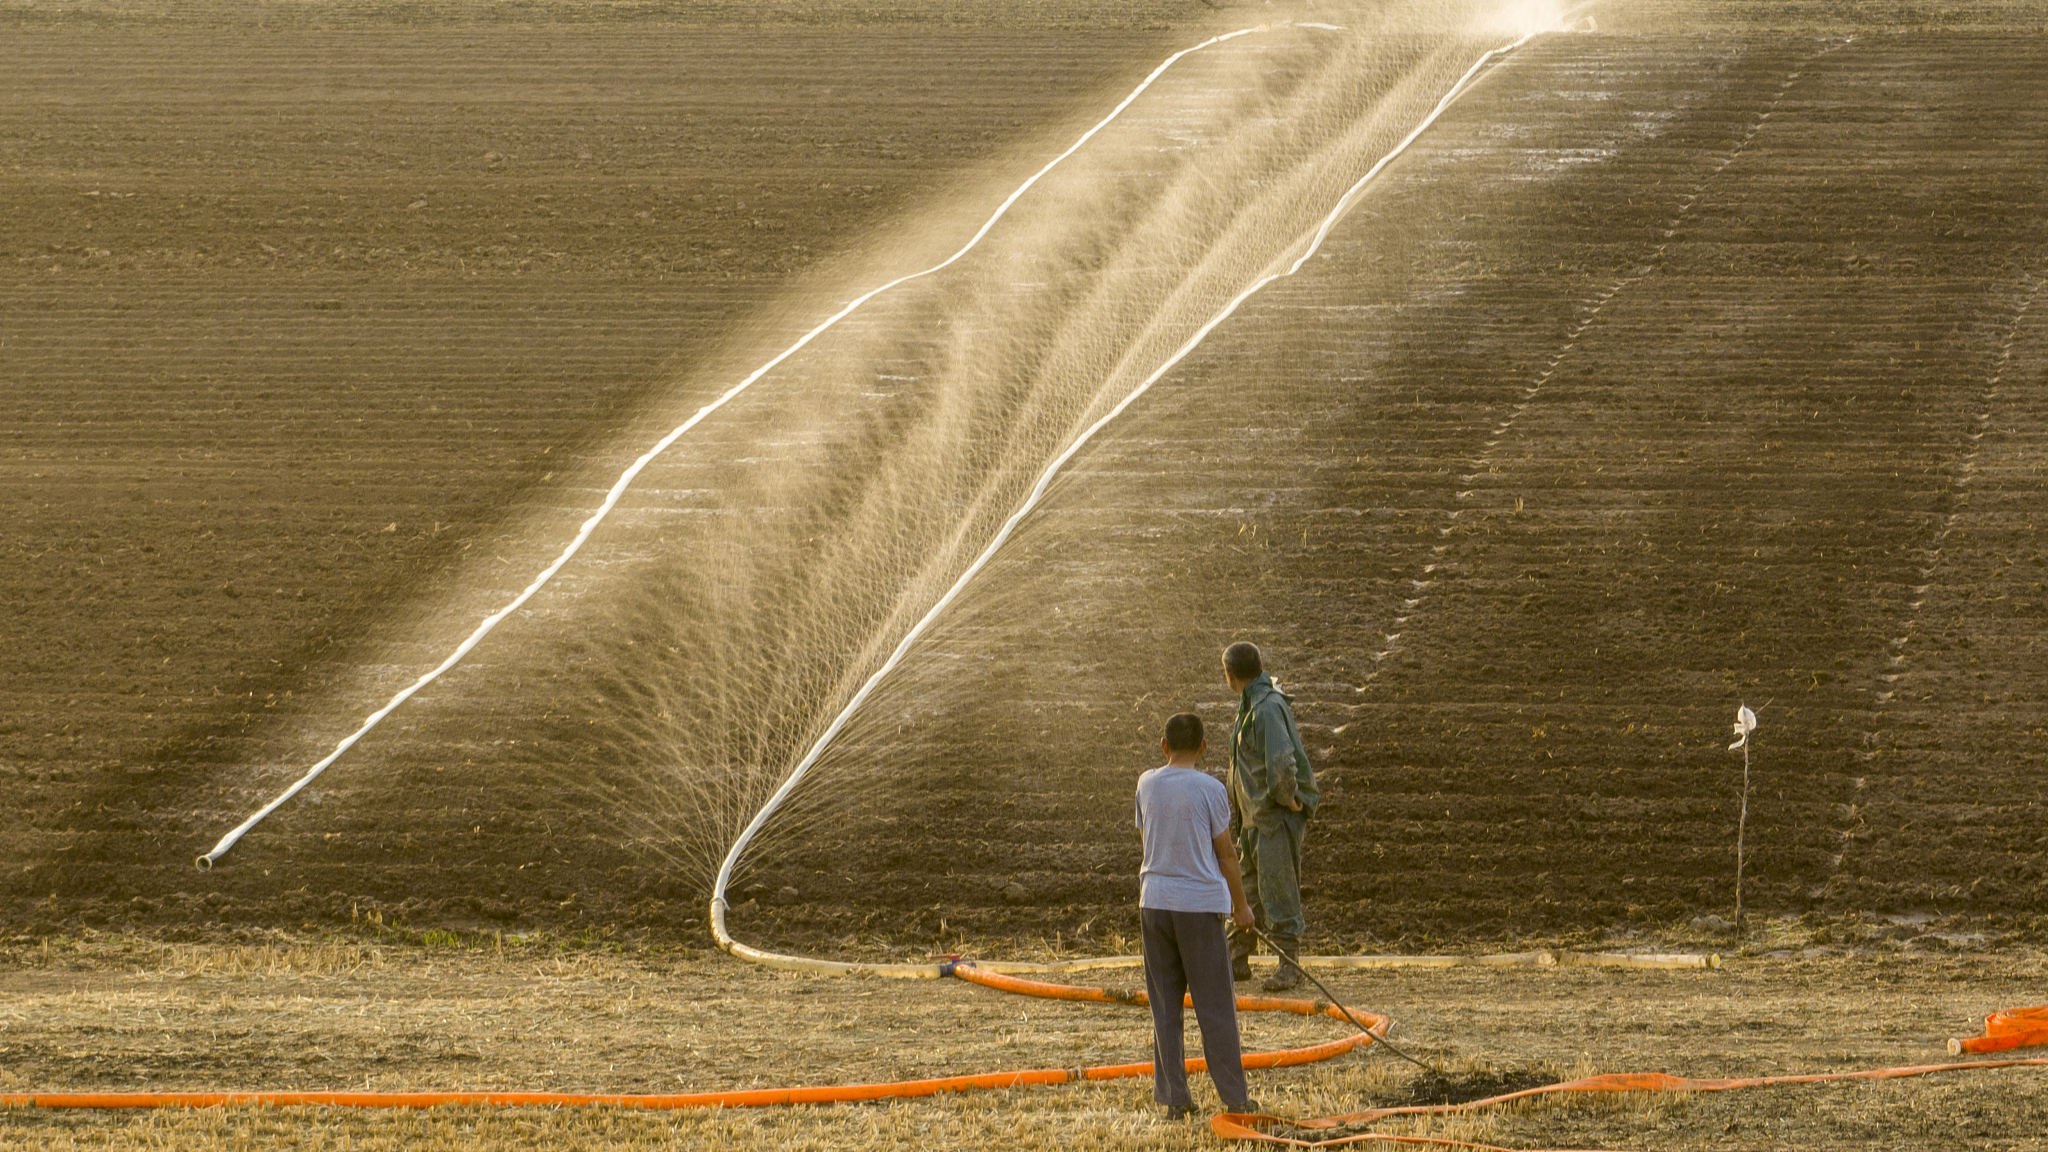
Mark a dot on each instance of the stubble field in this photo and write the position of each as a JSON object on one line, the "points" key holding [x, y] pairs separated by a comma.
{"points": [[129, 1015]]}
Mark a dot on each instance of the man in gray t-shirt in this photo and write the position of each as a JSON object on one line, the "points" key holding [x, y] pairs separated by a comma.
{"points": [[1187, 888]]}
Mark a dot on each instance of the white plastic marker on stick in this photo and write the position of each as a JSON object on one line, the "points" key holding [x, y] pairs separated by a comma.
{"points": [[1745, 723], [626, 478], [1344, 203]]}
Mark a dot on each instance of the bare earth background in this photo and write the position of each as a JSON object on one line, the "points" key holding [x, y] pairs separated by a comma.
{"points": [[1700, 360], [1672, 369]]}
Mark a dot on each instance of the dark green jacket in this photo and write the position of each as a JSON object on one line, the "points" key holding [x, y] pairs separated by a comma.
{"points": [[1268, 765]]}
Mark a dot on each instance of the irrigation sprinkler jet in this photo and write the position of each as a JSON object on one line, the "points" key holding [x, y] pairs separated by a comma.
{"points": [[1281, 268], [625, 480]]}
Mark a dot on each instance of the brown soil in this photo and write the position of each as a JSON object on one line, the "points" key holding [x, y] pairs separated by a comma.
{"points": [[1668, 372], [300, 317], [1696, 395]]}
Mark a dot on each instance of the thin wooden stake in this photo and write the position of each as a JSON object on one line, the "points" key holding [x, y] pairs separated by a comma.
{"points": [[1741, 826]]}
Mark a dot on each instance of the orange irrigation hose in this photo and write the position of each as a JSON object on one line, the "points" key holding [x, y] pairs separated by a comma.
{"points": [[1243, 1127], [2012, 1028], [1228, 1126], [968, 971], [755, 1097]]}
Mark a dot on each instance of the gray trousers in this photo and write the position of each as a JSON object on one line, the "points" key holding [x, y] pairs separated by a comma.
{"points": [[1271, 863], [1187, 954]]}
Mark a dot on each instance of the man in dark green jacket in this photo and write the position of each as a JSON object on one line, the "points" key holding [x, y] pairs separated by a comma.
{"points": [[1272, 795]]}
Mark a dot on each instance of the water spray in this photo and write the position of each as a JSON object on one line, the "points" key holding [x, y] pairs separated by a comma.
{"points": [[626, 479], [1282, 268]]}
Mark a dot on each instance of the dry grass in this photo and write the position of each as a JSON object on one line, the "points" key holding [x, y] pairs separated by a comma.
{"points": [[483, 1013]]}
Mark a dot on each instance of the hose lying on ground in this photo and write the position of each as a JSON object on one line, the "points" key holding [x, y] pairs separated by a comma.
{"points": [[1328, 1131], [2012, 1028], [762, 1097]]}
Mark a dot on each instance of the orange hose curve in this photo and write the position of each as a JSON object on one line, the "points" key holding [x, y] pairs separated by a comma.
{"points": [[2013, 1024], [756, 1097], [966, 970], [2011, 1028]]}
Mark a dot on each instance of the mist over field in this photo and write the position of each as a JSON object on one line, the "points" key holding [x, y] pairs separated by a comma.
{"points": [[1688, 360]]}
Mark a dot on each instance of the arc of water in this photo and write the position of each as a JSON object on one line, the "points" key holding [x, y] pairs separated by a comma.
{"points": [[626, 478], [1045, 479]]}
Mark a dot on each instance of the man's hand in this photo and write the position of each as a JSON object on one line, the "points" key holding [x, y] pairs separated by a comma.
{"points": [[1241, 916]]}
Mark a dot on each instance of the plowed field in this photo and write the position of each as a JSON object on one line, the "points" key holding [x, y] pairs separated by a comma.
{"points": [[1717, 380], [1675, 367], [295, 318]]}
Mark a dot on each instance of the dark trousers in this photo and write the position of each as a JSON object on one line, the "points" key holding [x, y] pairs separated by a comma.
{"points": [[1187, 954], [1270, 860]]}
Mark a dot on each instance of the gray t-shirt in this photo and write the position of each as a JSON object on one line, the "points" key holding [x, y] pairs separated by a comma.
{"points": [[1181, 811]]}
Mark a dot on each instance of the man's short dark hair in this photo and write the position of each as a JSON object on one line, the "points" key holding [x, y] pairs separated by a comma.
{"points": [[1184, 733], [1242, 661]]}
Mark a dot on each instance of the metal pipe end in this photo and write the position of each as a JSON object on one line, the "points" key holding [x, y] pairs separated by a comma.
{"points": [[203, 863]]}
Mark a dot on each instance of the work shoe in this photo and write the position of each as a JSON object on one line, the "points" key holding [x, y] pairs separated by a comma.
{"points": [[1249, 1107], [1179, 1111], [1288, 975]]}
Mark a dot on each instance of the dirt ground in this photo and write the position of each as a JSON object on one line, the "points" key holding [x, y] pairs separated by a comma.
{"points": [[118, 1013], [301, 315], [1693, 394], [1683, 364]]}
